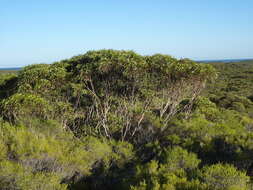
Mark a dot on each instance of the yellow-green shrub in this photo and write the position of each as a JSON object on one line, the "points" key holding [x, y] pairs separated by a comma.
{"points": [[15, 176]]}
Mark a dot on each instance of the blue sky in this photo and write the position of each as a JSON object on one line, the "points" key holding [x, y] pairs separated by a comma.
{"points": [[35, 31]]}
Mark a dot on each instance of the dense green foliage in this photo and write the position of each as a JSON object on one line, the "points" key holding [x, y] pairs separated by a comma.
{"points": [[118, 120]]}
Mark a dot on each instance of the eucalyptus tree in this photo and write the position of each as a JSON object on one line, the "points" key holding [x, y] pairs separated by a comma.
{"points": [[117, 94], [124, 90]]}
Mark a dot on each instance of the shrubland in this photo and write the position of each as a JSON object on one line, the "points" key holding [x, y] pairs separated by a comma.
{"points": [[112, 119]]}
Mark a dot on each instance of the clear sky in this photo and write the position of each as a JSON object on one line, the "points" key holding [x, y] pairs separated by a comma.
{"points": [[35, 31]]}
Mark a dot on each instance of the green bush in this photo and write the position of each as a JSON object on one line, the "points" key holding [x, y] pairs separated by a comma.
{"points": [[14, 176], [177, 158], [171, 173], [60, 155], [224, 177]]}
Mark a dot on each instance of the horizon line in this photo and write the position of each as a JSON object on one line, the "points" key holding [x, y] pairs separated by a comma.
{"points": [[197, 60]]}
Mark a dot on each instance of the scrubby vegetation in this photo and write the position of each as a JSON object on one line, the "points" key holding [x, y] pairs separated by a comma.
{"points": [[118, 120]]}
